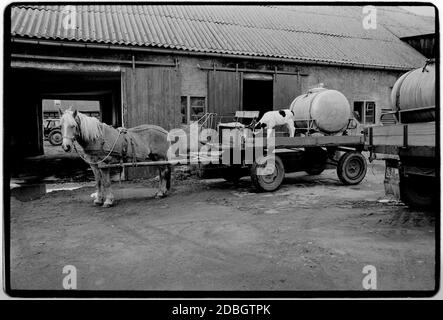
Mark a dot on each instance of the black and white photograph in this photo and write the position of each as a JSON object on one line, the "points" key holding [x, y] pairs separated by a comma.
{"points": [[221, 150]]}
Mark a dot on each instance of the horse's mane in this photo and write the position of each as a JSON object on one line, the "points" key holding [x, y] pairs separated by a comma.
{"points": [[90, 128]]}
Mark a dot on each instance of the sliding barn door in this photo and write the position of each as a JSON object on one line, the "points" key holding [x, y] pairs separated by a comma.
{"points": [[286, 88], [151, 96], [224, 93]]}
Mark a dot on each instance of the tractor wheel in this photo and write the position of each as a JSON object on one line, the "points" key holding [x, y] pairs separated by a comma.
{"points": [[351, 168], [55, 138], [418, 192]]}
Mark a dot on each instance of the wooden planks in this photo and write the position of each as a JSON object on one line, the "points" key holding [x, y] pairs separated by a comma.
{"points": [[224, 92], [286, 89], [414, 134], [320, 141], [151, 96]]}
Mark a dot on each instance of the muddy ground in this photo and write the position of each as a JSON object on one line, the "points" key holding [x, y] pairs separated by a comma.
{"points": [[311, 234]]}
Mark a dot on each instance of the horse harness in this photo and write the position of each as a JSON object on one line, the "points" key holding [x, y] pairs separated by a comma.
{"points": [[123, 157]]}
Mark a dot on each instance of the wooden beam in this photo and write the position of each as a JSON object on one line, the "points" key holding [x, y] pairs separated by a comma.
{"points": [[417, 134]]}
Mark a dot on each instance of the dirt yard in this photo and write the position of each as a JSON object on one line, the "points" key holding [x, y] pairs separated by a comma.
{"points": [[311, 234]]}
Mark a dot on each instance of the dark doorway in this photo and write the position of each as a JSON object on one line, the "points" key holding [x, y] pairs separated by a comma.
{"points": [[52, 135], [258, 95], [28, 157]]}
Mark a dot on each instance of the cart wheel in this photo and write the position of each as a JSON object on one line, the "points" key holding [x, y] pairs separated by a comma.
{"points": [[351, 168], [55, 138], [267, 182], [418, 192]]}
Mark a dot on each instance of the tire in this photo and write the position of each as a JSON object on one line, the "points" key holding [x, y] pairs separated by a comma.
{"points": [[55, 138], [418, 192], [315, 161], [270, 182], [351, 168]]}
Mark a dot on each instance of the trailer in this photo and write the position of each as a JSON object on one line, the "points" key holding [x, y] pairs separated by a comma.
{"points": [[311, 153], [409, 152], [409, 147]]}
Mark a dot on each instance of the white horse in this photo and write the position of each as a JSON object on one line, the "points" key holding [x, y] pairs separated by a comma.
{"points": [[102, 143]]}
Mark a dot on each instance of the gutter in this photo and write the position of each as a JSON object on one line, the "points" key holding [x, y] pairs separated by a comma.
{"points": [[203, 54]]}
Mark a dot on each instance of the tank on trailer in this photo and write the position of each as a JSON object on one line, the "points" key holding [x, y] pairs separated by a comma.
{"points": [[323, 110], [413, 95]]}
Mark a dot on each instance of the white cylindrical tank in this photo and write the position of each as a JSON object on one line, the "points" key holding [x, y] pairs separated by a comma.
{"points": [[327, 110], [415, 90]]}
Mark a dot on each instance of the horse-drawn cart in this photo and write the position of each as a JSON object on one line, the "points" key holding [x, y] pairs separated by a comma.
{"points": [[311, 153]]}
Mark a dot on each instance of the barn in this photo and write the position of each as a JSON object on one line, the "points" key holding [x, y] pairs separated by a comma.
{"points": [[171, 64]]}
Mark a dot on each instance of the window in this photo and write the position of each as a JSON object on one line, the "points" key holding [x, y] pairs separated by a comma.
{"points": [[192, 108], [365, 111], [184, 109]]}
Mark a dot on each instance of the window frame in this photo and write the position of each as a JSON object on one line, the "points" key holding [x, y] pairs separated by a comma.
{"points": [[189, 107], [364, 110]]}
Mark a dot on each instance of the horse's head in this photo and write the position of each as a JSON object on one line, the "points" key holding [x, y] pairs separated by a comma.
{"points": [[69, 128]]}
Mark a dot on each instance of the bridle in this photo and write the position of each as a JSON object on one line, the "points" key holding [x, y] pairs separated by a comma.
{"points": [[73, 140], [77, 121]]}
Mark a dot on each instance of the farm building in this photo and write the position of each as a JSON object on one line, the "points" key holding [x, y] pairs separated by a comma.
{"points": [[51, 108], [168, 65]]}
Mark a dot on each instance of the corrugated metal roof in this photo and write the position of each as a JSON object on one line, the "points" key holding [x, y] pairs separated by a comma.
{"points": [[400, 22], [406, 24], [243, 30]]}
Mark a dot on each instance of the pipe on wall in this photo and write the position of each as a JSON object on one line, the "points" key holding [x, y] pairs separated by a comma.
{"points": [[251, 70], [132, 62]]}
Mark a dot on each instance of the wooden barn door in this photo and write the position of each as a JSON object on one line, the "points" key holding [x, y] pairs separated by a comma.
{"points": [[151, 96], [286, 89], [224, 93]]}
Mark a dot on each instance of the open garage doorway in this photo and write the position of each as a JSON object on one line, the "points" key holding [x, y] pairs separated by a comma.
{"points": [[257, 93], [52, 135], [36, 95]]}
